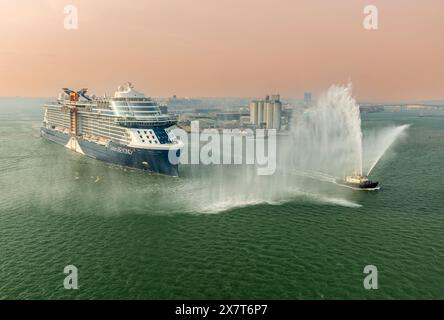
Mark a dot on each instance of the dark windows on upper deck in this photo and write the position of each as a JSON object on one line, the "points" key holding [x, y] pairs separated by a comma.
{"points": [[135, 108]]}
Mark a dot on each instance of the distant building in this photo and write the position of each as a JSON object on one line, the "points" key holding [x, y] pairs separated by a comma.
{"points": [[206, 110], [371, 109], [307, 98], [163, 109], [176, 102], [228, 116], [244, 120], [266, 113], [254, 108]]}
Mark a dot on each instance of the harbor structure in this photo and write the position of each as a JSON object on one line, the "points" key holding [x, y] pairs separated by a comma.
{"points": [[266, 113]]}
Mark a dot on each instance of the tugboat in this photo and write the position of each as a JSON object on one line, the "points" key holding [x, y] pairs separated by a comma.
{"points": [[359, 182]]}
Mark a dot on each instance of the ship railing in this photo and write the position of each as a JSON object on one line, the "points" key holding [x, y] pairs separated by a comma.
{"points": [[71, 103], [130, 99], [154, 121]]}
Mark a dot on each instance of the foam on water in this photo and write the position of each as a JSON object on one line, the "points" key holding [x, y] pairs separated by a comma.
{"points": [[225, 205], [339, 202], [326, 144]]}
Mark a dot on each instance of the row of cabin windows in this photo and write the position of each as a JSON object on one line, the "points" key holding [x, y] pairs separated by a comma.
{"points": [[126, 104], [137, 109], [131, 99]]}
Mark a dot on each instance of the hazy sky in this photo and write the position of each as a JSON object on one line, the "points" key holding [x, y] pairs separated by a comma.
{"points": [[223, 48]]}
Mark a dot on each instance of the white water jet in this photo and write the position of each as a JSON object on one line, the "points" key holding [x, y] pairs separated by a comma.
{"points": [[327, 138], [326, 143], [376, 143]]}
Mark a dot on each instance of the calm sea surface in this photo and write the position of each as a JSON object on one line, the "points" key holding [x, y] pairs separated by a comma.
{"points": [[136, 235]]}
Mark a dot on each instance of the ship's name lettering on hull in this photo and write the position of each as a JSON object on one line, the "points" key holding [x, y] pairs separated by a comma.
{"points": [[122, 150]]}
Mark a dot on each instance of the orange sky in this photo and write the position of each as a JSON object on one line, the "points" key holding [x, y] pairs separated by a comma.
{"points": [[224, 48]]}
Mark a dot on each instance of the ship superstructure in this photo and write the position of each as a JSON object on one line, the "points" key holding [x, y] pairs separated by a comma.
{"points": [[359, 182], [127, 129]]}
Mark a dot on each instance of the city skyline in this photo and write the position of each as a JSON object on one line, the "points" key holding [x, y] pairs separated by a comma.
{"points": [[235, 48]]}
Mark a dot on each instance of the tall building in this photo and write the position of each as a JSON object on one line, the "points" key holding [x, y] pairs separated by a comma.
{"points": [[266, 113], [269, 114], [277, 111], [254, 111], [260, 114], [307, 98]]}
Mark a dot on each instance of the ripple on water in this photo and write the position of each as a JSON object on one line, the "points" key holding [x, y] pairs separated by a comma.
{"points": [[132, 234]]}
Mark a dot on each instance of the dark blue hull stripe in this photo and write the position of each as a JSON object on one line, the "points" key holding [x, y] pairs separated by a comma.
{"points": [[150, 160]]}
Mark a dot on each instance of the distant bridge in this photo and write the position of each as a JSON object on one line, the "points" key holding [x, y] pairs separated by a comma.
{"points": [[438, 104]]}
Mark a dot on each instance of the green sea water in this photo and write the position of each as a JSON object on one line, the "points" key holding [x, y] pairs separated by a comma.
{"points": [[134, 235]]}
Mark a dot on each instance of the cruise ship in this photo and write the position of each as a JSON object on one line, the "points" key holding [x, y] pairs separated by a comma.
{"points": [[128, 129]]}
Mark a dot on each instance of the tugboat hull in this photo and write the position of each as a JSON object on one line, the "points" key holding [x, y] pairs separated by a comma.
{"points": [[359, 182], [364, 185]]}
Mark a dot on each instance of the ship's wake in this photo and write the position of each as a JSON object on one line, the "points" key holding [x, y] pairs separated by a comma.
{"points": [[322, 177], [218, 189], [223, 205]]}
